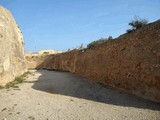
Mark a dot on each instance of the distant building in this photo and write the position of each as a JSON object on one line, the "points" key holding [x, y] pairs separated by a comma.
{"points": [[44, 52], [31, 54]]}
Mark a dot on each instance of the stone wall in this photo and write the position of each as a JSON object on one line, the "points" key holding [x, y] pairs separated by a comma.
{"points": [[130, 62], [12, 60]]}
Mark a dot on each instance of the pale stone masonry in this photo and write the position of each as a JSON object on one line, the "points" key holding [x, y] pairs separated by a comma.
{"points": [[12, 60]]}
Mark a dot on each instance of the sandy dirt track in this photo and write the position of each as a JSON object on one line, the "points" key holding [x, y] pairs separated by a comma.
{"points": [[50, 95]]}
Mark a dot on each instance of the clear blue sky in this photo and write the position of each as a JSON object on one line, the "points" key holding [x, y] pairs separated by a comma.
{"points": [[63, 24]]}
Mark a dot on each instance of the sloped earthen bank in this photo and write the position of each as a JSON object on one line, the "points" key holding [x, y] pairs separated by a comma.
{"points": [[12, 60], [62, 62], [130, 62]]}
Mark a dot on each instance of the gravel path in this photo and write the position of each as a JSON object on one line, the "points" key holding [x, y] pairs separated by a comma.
{"points": [[50, 95]]}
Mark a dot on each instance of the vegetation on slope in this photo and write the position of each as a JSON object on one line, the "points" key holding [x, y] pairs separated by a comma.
{"points": [[136, 24], [97, 42], [16, 81]]}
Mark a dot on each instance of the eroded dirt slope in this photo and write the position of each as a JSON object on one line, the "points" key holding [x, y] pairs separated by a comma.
{"points": [[131, 62]]}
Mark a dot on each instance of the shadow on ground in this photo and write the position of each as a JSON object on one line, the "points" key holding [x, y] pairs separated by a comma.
{"points": [[68, 84]]}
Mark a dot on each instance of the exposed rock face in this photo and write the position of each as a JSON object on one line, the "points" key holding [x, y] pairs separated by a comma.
{"points": [[12, 60], [36, 59], [131, 62], [63, 61], [33, 61]]}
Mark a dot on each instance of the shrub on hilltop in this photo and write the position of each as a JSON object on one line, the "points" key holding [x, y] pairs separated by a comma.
{"points": [[136, 24]]}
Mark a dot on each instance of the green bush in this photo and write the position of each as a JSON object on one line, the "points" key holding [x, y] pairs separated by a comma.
{"points": [[110, 38], [1, 87], [97, 42], [129, 30], [136, 24], [16, 81]]}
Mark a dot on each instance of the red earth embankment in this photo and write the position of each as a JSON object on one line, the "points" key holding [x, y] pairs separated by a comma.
{"points": [[62, 62], [130, 62]]}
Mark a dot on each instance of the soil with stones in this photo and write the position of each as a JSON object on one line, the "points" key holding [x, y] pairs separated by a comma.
{"points": [[51, 95]]}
